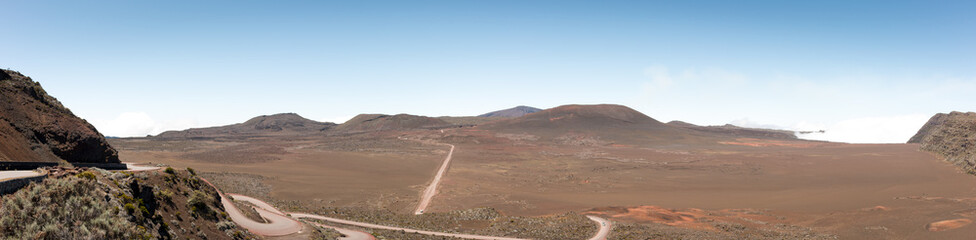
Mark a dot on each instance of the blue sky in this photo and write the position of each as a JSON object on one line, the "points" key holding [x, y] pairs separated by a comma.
{"points": [[866, 71]]}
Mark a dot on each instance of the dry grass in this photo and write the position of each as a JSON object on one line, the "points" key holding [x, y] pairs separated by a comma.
{"points": [[480, 221], [66, 208], [97, 204]]}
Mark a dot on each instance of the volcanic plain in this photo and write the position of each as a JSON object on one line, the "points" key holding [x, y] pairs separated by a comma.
{"points": [[653, 179]]}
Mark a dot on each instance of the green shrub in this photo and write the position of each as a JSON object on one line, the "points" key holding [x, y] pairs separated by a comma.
{"points": [[198, 202], [86, 175], [65, 208], [165, 195], [192, 172], [129, 208], [170, 170]]}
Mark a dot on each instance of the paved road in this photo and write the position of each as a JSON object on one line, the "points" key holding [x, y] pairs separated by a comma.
{"points": [[133, 168], [7, 175], [604, 228], [432, 189]]}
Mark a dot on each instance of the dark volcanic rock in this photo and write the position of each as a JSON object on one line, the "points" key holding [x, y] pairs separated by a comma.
{"points": [[951, 135], [35, 127], [512, 112]]}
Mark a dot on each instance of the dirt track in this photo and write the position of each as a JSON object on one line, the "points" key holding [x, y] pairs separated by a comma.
{"points": [[604, 228], [432, 189]]}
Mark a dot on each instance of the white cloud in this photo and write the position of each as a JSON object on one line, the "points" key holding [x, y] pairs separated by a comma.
{"points": [[660, 78], [745, 122], [138, 124], [891, 129]]}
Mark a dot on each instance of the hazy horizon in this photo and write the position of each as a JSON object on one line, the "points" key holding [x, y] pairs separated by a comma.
{"points": [[866, 72]]}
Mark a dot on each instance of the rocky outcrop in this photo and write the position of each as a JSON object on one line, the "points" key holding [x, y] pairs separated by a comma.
{"points": [[35, 127], [951, 135]]}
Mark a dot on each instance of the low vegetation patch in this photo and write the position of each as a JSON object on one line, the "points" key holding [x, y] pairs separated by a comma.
{"points": [[97, 204], [66, 208], [479, 221]]}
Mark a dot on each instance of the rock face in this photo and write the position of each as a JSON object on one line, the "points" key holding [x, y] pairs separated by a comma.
{"points": [[512, 112], [35, 127], [277, 124], [951, 135]]}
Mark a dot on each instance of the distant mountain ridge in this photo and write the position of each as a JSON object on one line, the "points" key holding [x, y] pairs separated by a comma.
{"points": [[383, 122], [276, 124], [951, 135], [511, 112], [609, 121], [737, 131], [590, 124], [35, 127]]}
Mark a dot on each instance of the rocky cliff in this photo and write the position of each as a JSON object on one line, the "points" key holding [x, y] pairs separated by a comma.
{"points": [[951, 135], [35, 127]]}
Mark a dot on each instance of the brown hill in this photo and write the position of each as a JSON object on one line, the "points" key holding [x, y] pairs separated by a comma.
{"points": [[583, 117], [594, 123], [381, 122], [951, 135], [35, 127], [277, 124], [512, 112], [736, 131]]}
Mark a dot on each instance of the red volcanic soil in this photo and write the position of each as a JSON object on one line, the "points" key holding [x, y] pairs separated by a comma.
{"points": [[35, 127], [654, 214], [948, 224]]}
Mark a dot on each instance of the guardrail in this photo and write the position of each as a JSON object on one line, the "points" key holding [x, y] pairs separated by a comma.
{"points": [[12, 185]]}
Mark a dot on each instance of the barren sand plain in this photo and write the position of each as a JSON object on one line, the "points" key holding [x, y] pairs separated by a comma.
{"points": [[856, 191]]}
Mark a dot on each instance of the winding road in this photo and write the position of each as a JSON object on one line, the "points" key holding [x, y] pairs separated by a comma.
{"points": [[432, 189], [282, 223], [604, 227]]}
